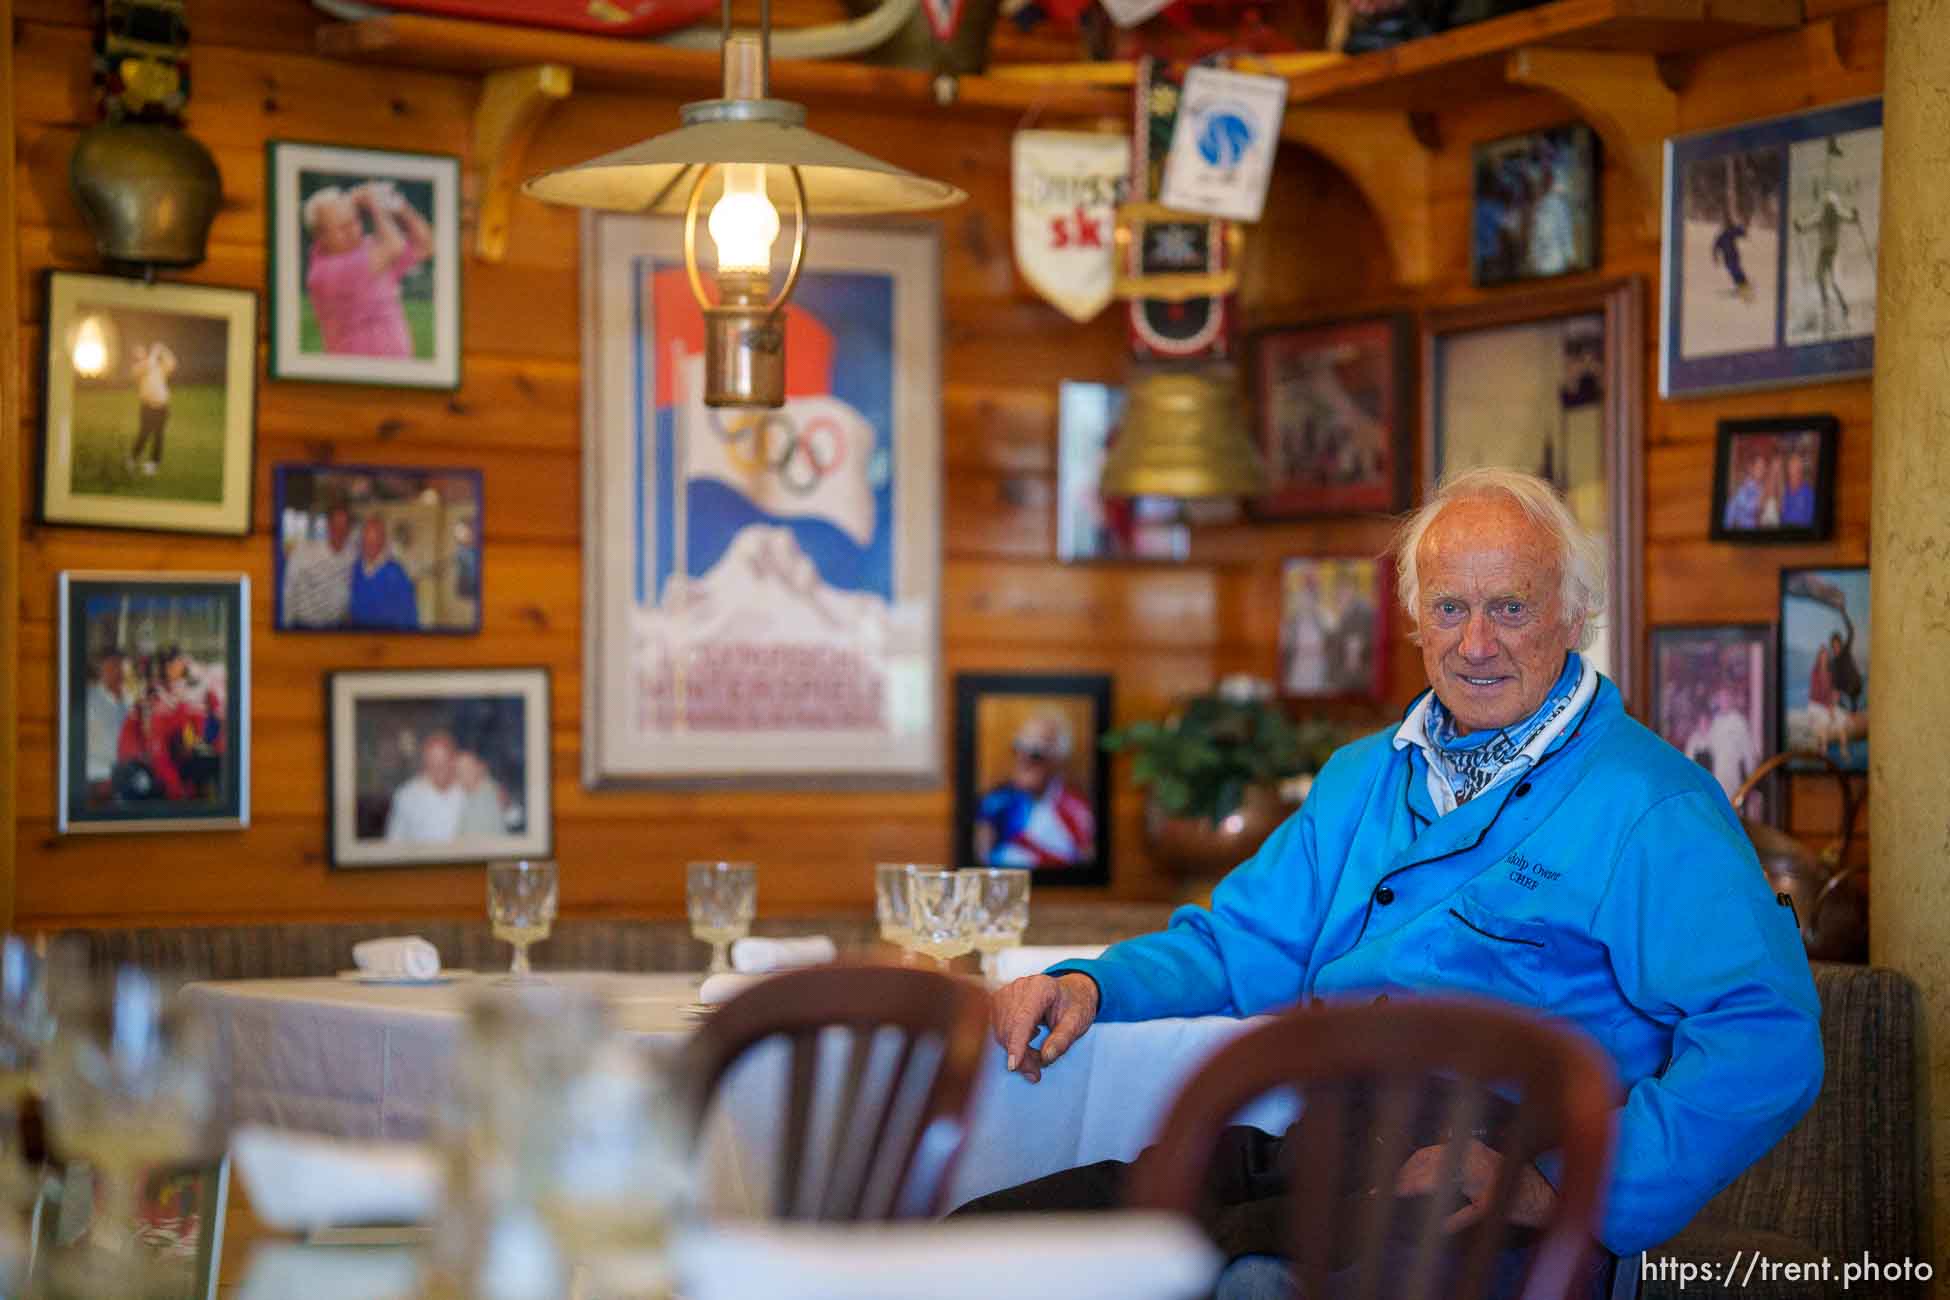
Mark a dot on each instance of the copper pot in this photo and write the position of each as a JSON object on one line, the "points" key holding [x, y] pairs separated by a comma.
{"points": [[1829, 909], [1200, 849]]}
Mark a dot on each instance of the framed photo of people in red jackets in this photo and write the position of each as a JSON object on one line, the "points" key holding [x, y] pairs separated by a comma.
{"points": [[153, 717]]}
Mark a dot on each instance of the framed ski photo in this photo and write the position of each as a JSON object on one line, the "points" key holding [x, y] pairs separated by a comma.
{"points": [[1770, 252]]}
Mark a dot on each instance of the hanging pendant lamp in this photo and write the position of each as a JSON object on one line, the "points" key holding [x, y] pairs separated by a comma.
{"points": [[762, 156]]}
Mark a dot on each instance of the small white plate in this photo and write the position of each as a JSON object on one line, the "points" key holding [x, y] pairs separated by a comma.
{"points": [[365, 977]]}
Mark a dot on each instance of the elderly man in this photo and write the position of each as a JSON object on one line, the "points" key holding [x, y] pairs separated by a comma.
{"points": [[381, 595], [427, 808], [1517, 836]]}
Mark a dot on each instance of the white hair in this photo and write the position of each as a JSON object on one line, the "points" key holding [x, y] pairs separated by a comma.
{"points": [[316, 204], [1580, 557], [1058, 728]]}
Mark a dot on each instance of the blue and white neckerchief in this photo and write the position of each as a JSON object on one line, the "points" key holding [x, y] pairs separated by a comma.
{"points": [[1462, 767]]}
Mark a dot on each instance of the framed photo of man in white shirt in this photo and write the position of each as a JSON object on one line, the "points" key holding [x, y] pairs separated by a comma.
{"points": [[438, 766]]}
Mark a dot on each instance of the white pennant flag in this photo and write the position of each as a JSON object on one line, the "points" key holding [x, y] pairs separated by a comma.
{"points": [[1067, 188]]}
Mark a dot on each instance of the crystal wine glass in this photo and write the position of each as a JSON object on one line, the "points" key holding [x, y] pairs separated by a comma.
{"points": [[722, 898], [129, 1088], [941, 914], [1001, 912], [521, 906], [890, 895]]}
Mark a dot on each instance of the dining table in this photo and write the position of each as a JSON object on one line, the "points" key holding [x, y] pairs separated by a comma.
{"points": [[369, 1060]]}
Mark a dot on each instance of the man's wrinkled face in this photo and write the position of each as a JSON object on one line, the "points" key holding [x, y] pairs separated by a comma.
{"points": [[1493, 626]]}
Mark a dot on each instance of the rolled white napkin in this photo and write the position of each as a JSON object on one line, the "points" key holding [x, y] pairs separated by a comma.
{"points": [[1119, 1255], [405, 957], [756, 956], [301, 1181], [723, 988], [1014, 963]]}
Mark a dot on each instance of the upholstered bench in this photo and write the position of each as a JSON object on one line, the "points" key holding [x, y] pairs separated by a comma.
{"points": [[290, 949], [1849, 1182]]}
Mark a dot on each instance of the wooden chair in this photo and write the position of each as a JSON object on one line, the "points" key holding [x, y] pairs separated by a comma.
{"points": [[921, 1034], [1373, 1080]]}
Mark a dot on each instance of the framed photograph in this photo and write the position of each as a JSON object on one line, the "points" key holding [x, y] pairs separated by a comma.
{"points": [[1713, 700], [363, 548], [150, 405], [1090, 525], [154, 718], [179, 1218], [1331, 413], [1032, 783], [365, 265], [1774, 479], [438, 765], [1825, 665], [1535, 209], [1550, 383], [762, 590], [1334, 627], [1770, 251]]}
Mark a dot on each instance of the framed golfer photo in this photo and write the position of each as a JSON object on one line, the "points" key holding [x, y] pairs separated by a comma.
{"points": [[154, 721], [364, 265], [150, 404]]}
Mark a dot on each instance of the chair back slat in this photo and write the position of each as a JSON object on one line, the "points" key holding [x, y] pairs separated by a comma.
{"points": [[1438, 1073], [851, 1164], [931, 1027]]}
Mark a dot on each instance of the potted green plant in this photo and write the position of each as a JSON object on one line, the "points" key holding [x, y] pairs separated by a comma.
{"points": [[1221, 774]]}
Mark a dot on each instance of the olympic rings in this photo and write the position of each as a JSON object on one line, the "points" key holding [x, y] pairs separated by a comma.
{"points": [[770, 441]]}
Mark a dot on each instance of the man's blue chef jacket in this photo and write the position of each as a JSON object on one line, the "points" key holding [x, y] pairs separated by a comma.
{"points": [[1611, 886]]}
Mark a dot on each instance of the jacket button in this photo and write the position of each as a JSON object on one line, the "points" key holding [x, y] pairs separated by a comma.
{"points": [[1384, 895], [1380, 998], [1522, 790]]}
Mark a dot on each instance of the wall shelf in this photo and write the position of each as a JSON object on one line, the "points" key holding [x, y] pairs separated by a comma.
{"points": [[1601, 55], [1421, 75]]}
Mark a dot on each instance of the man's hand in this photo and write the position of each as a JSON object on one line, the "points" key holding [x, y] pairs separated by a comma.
{"points": [[1530, 1204], [1066, 1003]]}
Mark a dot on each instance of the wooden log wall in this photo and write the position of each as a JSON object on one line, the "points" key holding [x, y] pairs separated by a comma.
{"points": [[1162, 631]]}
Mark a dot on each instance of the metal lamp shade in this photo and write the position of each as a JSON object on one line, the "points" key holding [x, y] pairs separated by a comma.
{"points": [[654, 175], [1183, 436]]}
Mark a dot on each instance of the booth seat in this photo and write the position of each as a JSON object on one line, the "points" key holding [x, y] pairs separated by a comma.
{"points": [[1850, 1181], [295, 949]]}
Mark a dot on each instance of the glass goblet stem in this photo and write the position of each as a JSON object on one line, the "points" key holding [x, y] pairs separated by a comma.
{"points": [[989, 974], [720, 963], [518, 969]]}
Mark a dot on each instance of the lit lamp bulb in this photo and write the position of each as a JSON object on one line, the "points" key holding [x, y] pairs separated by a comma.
{"points": [[744, 350], [743, 223], [90, 349]]}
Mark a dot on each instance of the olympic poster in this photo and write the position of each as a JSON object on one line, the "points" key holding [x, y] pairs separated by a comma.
{"points": [[762, 585]]}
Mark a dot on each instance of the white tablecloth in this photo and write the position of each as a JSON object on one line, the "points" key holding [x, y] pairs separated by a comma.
{"points": [[365, 1061]]}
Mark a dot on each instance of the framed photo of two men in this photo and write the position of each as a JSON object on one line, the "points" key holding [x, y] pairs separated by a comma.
{"points": [[438, 766]]}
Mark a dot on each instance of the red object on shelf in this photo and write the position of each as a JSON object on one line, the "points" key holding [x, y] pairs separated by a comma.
{"points": [[596, 17]]}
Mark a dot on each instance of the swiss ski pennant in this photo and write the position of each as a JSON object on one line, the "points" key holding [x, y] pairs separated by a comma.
{"points": [[1067, 187]]}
